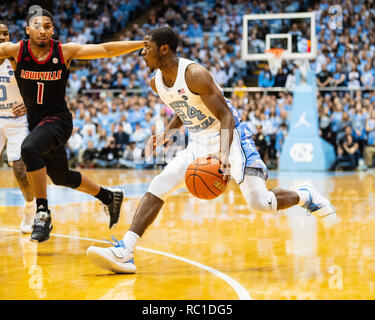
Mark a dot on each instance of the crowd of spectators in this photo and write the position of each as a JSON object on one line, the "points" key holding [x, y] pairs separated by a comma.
{"points": [[80, 21], [112, 131], [348, 123], [111, 128], [346, 61]]}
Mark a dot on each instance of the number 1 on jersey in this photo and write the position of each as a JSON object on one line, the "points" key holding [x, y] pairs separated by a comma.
{"points": [[39, 96]]}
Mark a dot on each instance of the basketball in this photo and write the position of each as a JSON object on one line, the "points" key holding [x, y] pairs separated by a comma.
{"points": [[203, 178]]}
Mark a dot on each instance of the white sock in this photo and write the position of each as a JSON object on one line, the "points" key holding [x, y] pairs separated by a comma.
{"points": [[130, 240], [29, 207], [303, 197], [29, 203]]}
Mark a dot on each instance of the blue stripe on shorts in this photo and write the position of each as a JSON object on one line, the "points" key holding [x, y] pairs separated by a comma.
{"points": [[252, 155]]}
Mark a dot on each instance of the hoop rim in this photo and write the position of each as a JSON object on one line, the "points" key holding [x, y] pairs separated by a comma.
{"points": [[276, 52]]}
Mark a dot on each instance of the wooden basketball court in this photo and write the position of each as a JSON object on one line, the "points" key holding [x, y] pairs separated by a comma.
{"points": [[196, 249]]}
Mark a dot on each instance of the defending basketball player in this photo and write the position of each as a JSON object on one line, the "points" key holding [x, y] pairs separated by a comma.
{"points": [[215, 128], [42, 72], [13, 130]]}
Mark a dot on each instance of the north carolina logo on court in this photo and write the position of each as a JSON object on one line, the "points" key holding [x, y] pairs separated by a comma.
{"points": [[302, 152]]}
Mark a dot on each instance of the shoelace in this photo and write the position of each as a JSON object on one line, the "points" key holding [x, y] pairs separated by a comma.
{"points": [[42, 215], [116, 243], [114, 201], [41, 222], [307, 204]]}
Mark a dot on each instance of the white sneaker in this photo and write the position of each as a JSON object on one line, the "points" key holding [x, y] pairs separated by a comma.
{"points": [[319, 206], [117, 259], [28, 220]]}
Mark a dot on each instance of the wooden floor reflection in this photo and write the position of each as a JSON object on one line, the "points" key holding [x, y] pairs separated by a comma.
{"points": [[286, 256]]}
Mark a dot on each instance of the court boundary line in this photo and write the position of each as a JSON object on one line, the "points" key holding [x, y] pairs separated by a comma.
{"points": [[236, 286]]}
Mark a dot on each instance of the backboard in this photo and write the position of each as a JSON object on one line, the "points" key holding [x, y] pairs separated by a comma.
{"points": [[293, 32]]}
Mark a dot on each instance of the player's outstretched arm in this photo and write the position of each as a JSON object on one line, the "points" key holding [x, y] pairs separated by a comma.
{"points": [[96, 51], [9, 49]]}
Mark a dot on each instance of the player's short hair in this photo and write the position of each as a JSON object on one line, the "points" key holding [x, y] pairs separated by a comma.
{"points": [[34, 11], [4, 23], [164, 35]]}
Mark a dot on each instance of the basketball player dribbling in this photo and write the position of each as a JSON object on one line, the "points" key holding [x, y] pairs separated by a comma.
{"points": [[13, 130], [215, 128], [42, 72]]}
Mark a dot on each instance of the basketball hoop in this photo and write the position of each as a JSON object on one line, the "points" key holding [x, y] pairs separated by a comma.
{"points": [[274, 58]]}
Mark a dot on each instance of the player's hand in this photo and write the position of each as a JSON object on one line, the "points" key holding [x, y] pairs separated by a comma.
{"points": [[19, 109], [225, 168], [225, 171], [153, 142]]}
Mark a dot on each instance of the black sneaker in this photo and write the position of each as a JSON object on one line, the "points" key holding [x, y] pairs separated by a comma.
{"points": [[42, 226], [114, 208]]}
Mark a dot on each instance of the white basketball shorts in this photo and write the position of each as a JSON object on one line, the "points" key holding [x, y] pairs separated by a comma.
{"points": [[242, 154], [13, 130]]}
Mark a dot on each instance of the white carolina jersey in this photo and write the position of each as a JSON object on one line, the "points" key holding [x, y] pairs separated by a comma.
{"points": [[194, 114], [9, 92]]}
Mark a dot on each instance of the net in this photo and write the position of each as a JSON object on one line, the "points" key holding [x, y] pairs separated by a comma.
{"points": [[274, 58]]}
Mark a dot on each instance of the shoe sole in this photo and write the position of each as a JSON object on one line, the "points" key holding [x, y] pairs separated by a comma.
{"points": [[327, 214], [119, 213], [26, 231], [324, 211], [38, 241], [103, 262]]}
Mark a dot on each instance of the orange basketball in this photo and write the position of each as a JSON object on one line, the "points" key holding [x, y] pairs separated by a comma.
{"points": [[203, 179]]}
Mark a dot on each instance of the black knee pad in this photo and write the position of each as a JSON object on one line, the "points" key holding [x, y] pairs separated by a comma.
{"points": [[31, 156], [70, 179], [75, 179]]}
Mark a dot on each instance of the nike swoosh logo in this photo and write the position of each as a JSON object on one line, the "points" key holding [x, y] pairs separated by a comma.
{"points": [[270, 203]]}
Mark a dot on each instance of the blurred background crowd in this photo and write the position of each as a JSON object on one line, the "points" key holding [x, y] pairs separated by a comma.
{"points": [[115, 110]]}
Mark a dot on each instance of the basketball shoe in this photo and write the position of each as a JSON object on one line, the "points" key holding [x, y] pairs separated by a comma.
{"points": [[42, 226], [28, 219], [117, 259], [319, 206], [114, 208]]}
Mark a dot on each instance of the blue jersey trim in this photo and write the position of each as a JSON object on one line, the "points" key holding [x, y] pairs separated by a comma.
{"points": [[10, 117]]}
